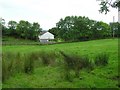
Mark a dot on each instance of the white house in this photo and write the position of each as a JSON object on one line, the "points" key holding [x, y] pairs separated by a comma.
{"points": [[46, 37]]}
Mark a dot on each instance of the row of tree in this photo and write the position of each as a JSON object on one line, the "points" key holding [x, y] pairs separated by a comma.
{"points": [[77, 28], [71, 28], [23, 29]]}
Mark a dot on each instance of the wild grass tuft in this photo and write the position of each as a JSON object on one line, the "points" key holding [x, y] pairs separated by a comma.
{"points": [[101, 59], [7, 65], [4, 71], [86, 62], [29, 63], [16, 62], [48, 58], [75, 63]]}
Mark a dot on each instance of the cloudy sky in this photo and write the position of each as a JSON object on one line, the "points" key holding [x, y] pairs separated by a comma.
{"points": [[48, 12]]}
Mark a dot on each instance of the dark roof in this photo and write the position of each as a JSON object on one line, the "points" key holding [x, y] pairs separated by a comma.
{"points": [[44, 31]]}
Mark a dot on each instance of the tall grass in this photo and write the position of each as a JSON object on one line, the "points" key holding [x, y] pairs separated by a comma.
{"points": [[7, 66], [29, 63], [48, 58], [16, 62], [101, 59], [75, 63], [13, 63], [4, 71]]}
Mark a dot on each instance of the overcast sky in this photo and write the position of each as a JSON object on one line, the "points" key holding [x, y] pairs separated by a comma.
{"points": [[48, 12]]}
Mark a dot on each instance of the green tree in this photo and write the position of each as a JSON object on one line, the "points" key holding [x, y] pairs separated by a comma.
{"points": [[54, 31], [3, 28], [77, 28], [114, 29], [64, 27], [100, 30], [12, 28], [23, 28], [74, 28], [27, 30], [35, 31]]}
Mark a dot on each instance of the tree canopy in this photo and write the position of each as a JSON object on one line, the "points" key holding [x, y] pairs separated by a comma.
{"points": [[70, 28], [22, 29], [77, 28]]}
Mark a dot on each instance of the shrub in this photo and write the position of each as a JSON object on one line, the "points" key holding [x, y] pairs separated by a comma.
{"points": [[101, 59]]}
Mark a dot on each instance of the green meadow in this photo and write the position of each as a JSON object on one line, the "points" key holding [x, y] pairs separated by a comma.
{"points": [[51, 75]]}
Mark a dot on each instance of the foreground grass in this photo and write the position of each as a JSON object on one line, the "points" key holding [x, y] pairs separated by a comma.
{"points": [[49, 76]]}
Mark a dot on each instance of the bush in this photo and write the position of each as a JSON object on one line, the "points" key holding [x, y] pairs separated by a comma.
{"points": [[101, 59]]}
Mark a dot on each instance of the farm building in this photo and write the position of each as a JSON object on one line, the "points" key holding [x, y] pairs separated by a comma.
{"points": [[46, 37]]}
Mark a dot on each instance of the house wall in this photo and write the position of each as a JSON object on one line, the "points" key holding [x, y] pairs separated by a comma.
{"points": [[44, 41], [46, 37]]}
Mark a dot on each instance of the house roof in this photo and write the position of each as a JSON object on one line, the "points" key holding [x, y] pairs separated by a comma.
{"points": [[44, 31], [46, 35]]}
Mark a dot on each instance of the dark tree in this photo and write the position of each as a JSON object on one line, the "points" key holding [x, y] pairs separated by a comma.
{"points": [[12, 28]]}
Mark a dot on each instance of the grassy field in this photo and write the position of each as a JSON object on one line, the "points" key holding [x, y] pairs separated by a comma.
{"points": [[13, 41], [50, 76]]}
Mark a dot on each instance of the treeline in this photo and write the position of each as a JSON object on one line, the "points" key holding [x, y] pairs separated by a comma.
{"points": [[77, 28], [23, 29], [71, 28]]}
